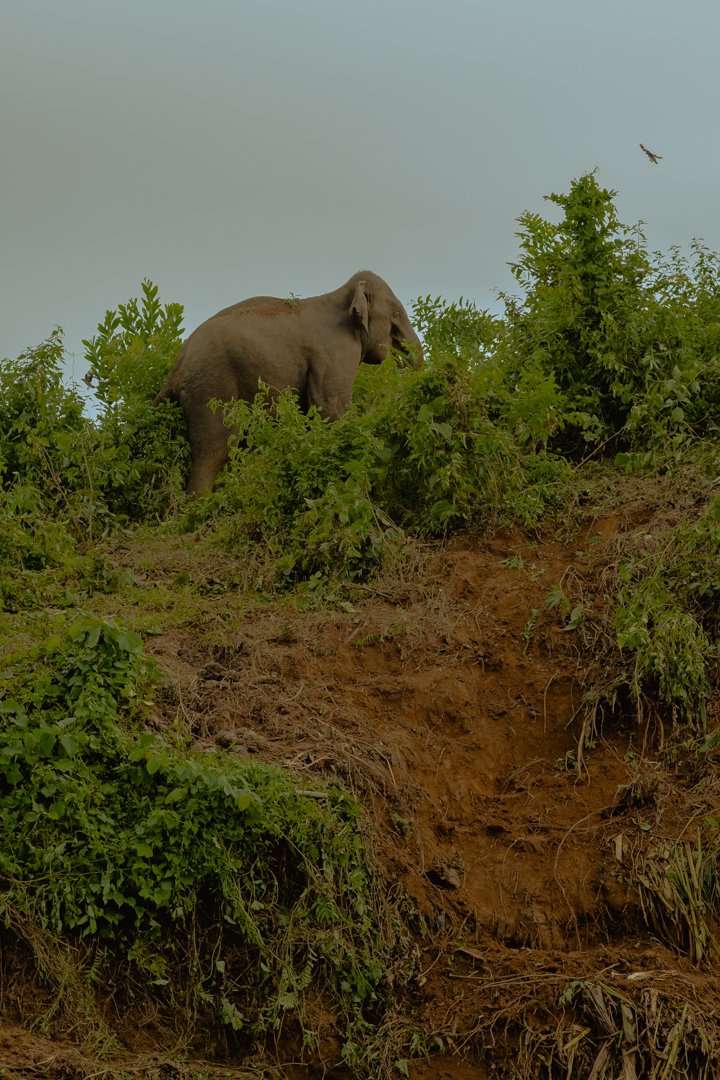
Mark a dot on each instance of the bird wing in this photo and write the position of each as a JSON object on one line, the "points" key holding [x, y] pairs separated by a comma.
{"points": [[653, 157]]}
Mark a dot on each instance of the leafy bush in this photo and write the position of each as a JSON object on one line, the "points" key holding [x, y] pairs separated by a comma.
{"points": [[42, 427], [630, 338], [462, 445], [666, 621], [301, 488], [133, 349], [145, 453], [67, 479], [47, 459], [457, 329], [122, 836], [670, 651], [419, 452]]}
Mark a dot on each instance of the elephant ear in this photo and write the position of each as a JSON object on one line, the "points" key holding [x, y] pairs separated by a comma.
{"points": [[359, 306]]}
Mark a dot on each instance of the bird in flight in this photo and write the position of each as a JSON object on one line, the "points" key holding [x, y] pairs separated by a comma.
{"points": [[653, 157]]}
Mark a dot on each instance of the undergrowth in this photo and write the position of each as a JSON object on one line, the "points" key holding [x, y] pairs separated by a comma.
{"points": [[219, 882], [606, 1031], [656, 643]]}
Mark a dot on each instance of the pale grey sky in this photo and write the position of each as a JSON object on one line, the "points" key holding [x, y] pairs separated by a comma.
{"points": [[225, 148]]}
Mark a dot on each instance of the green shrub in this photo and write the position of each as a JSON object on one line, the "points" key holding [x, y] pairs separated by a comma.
{"points": [[43, 433], [301, 489], [667, 619], [457, 329], [117, 835], [418, 453], [133, 350], [670, 651], [144, 452], [631, 339], [65, 477], [48, 448], [461, 444]]}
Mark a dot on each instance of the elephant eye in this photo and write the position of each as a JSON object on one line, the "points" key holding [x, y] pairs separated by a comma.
{"points": [[396, 314]]}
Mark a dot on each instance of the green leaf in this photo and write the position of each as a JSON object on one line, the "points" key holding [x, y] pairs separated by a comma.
{"points": [[70, 744], [176, 795], [56, 810]]}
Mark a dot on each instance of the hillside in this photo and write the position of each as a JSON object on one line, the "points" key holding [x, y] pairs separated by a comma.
{"points": [[396, 754], [515, 859]]}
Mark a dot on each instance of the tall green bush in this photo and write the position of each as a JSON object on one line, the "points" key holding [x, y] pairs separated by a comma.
{"points": [[630, 338], [48, 492], [145, 452]]}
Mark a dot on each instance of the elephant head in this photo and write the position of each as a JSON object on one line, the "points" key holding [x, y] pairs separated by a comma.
{"points": [[381, 320]]}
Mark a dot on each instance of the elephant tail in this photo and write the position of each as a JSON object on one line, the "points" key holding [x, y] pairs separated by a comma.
{"points": [[167, 393]]}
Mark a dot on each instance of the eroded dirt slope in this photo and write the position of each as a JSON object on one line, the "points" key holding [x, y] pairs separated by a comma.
{"points": [[457, 731], [451, 704]]}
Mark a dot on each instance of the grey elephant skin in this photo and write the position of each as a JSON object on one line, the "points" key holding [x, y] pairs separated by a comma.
{"points": [[315, 346]]}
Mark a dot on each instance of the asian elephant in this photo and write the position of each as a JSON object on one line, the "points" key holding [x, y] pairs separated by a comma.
{"points": [[314, 345]]}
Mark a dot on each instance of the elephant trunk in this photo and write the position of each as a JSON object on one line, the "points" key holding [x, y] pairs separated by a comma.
{"points": [[413, 350], [416, 355]]}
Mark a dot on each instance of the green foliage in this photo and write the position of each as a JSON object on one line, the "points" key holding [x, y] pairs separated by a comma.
{"points": [[66, 478], [584, 309], [669, 648], [145, 453], [301, 488], [118, 835], [459, 451], [133, 349], [47, 453], [630, 339], [556, 601], [682, 395], [41, 422], [667, 619], [422, 451], [456, 329]]}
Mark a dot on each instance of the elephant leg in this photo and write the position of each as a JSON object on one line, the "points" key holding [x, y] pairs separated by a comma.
{"points": [[208, 436], [331, 390]]}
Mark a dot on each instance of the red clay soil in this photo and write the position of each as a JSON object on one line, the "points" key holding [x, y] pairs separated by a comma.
{"points": [[455, 721]]}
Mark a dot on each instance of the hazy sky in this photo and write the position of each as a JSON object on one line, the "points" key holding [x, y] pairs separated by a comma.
{"points": [[227, 148]]}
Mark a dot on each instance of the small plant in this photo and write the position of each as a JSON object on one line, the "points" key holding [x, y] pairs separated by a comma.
{"points": [[302, 488], [679, 893], [669, 650], [556, 600]]}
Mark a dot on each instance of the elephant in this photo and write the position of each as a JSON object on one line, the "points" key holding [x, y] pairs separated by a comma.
{"points": [[313, 345]]}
